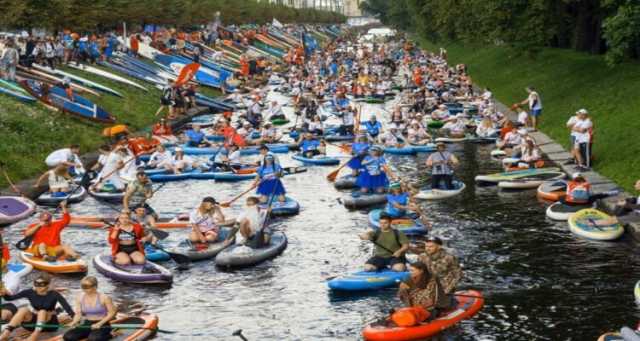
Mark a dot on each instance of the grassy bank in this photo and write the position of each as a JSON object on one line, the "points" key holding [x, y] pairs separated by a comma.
{"points": [[567, 81], [30, 131]]}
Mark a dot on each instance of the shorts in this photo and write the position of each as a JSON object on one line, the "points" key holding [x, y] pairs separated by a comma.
{"points": [[53, 251], [536, 112], [10, 307], [29, 325], [128, 249], [384, 262]]}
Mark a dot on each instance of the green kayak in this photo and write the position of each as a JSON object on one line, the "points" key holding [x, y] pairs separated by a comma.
{"points": [[279, 121]]}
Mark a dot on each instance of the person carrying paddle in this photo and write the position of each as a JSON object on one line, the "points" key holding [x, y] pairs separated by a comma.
{"points": [[46, 241], [93, 311], [442, 164], [391, 245], [376, 174], [205, 221], [109, 178], [421, 293], [268, 180], [126, 239], [43, 302], [444, 266]]}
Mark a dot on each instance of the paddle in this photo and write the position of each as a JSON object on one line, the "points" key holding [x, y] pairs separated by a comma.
{"points": [[228, 203], [238, 333], [594, 224], [331, 177], [6, 176], [114, 326]]}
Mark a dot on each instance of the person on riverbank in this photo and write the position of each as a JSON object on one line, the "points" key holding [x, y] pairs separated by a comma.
{"points": [[9, 57], [581, 129], [93, 311], [126, 239], [441, 264], [442, 164], [390, 246], [205, 221], [42, 310], [47, 242], [67, 156], [535, 106]]}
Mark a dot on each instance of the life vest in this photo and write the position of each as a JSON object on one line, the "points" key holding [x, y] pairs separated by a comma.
{"points": [[578, 192], [411, 316], [115, 130], [142, 145]]}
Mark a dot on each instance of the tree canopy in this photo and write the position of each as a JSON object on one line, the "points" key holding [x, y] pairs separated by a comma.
{"points": [[594, 26]]}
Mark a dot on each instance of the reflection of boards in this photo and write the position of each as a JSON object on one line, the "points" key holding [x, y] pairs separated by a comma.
{"points": [[14, 275], [148, 323], [61, 265]]}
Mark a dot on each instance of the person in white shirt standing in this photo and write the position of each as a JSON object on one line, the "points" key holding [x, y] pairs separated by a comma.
{"points": [[535, 106], [581, 131]]}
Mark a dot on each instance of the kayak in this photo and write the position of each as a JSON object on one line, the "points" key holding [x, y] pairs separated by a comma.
{"points": [[520, 174], [147, 324], [238, 256], [345, 182], [107, 196], [552, 190], [106, 74], [584, 224], [367, 280], [409, 226], [47, 198], [468, 306], [531, 182], [14, 90], [76, 79], [321, 160], [357, 200], [13, 209], [289, 207], [13, 277], [58, 98], [202, 251], [561, 212], [132, 273], [429, 193], [59, 266]]}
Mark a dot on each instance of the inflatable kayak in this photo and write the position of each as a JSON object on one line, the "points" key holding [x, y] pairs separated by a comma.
{"points": [[13, 277], [552, 190], [409, 226], [520, 174], [149, 273], [322, 160], [13, 209], [357, 200], [468, 306], [107, 196], [153, 254], [593, 224], [59, 266], [47, 198], [241, 256], [533, 181], [202, 251], [289, 207], [561, 212], [345, 182], [366, 280], [429, 193]]}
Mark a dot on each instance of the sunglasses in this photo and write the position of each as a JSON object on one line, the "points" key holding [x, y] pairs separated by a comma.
{"points": [[86, 286], [40, 284]]}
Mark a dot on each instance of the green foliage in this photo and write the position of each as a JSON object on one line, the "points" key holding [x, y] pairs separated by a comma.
{"points": [[622, 31]]}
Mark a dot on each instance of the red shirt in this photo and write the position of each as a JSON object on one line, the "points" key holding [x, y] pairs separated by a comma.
{"points": [[115, 242], [49, 234]]}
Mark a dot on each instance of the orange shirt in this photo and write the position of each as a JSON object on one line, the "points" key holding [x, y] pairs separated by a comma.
{"points": [[134, 43], [49, 234]]}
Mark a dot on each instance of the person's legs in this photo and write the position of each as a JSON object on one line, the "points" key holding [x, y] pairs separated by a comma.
{"points": [[78, 334], [448, 181], [122, 258], [137, 258]]}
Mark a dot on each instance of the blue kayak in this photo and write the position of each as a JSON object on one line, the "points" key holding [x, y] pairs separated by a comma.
{"points": [[364, 280], [167, 177], [155, 255], [58, 98], [409, 226], [319, 160], [288, 207]]}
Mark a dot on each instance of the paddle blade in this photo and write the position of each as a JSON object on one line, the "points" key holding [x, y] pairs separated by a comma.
{"points": [[159, 233], [333, 175], [24, 243], [225, 204], [179, 258]]}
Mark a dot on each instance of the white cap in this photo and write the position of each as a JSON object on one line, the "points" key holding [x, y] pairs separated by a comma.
{"points": [[576, 175], [582, 111]]}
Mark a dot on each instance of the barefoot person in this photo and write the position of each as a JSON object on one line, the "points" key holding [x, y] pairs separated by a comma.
{"points": [[126, 239], [206, 220], [46, 237], [535, 106], [93, 311], [390, 247]]}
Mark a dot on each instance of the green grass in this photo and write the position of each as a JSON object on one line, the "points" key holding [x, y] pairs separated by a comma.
{"points": [[567, 81], [30, 131]]}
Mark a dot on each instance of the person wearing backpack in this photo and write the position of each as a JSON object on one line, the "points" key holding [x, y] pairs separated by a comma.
{"points": [[390, 247]]}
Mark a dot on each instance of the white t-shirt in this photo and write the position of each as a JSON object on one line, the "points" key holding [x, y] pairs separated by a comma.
{"points": [[522, 117], [348, 119], [159, 158], [61, 155], [255, 217], [456, 126], [234, 158], [512, 138], [582, 124], [204, 222], [534, 101], [571, 122]]}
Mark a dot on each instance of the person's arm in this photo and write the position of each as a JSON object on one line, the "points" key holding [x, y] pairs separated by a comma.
{"points": [[41, 179], [65, 305], [78, 314], [367, 235], [22, 294], [66, 217], [219, 215], [127, 196], [404, 241], [33, 229], [111, 312]]}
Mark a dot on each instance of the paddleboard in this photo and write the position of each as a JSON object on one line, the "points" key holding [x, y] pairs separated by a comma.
{"points": [[77, 79], [584, 223], [106, 74]]}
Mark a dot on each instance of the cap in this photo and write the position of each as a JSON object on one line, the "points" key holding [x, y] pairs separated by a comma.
{"points": [[582, 111], [440, 143], [376, 149], [576, 176], [210, 200], [433, 239]]}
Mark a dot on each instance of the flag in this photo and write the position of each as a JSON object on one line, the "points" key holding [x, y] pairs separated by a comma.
{"points": [[276, 23], [187, 73]]}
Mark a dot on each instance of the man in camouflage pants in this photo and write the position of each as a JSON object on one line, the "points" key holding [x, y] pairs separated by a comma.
{"points": [[443, 265]]}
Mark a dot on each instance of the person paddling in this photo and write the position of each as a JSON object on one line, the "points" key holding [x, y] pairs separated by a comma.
{"points": [[359, 150], [46, 237], [268, 180], [93, 311], [390, 246], [126, 239], [442, 164], [250, 223]]}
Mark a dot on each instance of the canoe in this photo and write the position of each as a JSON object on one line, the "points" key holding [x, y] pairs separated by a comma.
{"points": [[200, 251], [13, 277], [409, 226], [47, 198], [59, 266], [367, 280], [583, 224], [468, 306], [76, 79], [106, 196], [289, 207], [552, 190], [429, 193], [561, 212], [13, 209], [14, 90], [80, 106], [525, 173], [531, 182], [358, 200], [147, 324], [106, 74], [238, 256], [321, 160], [345, 182], [132, 273]]}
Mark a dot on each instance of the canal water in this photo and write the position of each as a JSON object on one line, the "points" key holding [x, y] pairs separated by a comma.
{"points": [[540, 281]]}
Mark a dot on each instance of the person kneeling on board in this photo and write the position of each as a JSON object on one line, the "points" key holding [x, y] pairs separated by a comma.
{"points": [[390, 249], [250, 225], [311, 146], [46, 237]]}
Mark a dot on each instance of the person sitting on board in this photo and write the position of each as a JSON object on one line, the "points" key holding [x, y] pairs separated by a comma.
{"points": [[127, 238], [511, 139], [138, 193], [93, 312], [416, 134], [196, 138], [104, 151], [67, 156], [373, 127], [527, 156], [268, 180], [390, 246], [456, 127], [444, 266], [398, 201], [180, 163], [162, 128], [422, 295], [205, 221], [348, 122], [41, 315], [440, 114], [486, 129], [274, 111], [315, 126], [392, 137], [359, 150], [59, 180], [160, 157], [46, 233], [268, 134], [140, 215], [250, 223], [246, 131], [442, 164], [376, 173], [311, 146]]}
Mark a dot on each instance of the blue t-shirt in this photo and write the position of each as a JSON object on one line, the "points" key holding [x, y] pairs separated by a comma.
{"points": [[308, 145], [402, 199], [195, 136], [373, 165], [360, 148], [373, 128], [269, 172]]}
